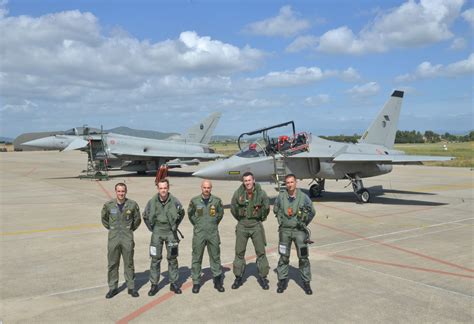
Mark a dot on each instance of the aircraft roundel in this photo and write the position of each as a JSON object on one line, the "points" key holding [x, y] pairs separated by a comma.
{"points": [[112, 141]]}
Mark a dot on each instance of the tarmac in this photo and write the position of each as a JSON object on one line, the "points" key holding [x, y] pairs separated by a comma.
{"points": [[406, 257]]}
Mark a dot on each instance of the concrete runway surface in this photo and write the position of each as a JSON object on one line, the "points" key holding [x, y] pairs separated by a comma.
{"points": [[405, 257]]}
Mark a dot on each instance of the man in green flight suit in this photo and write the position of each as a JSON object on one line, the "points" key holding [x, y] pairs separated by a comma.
{"points": [[162, 216], [294, 210], [120, 216], [205, 213], [250, 207]]}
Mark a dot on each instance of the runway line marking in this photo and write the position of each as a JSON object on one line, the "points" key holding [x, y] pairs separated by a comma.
{"points": [[170, 294], [30, 172], [345, 210], [54, 229], [104, 190], [404, 212], [396, 232], [400, 265], [403, 279], [398, 248]]}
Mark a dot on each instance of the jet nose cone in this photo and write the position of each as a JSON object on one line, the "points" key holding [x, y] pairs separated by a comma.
{"points": [[204, 173], [45, 142], [216, 171]]}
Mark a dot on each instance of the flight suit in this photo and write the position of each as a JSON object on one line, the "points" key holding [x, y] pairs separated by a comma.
{"points": [[250, 212], [163, 219], [205, 217], [293, 214], [120, 224]]}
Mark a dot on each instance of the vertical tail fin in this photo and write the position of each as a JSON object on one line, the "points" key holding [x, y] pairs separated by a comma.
{"points": [[383, 129], [202, 132]]}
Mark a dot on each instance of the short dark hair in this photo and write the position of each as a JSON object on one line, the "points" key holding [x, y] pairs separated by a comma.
{"points": [[290, 175], [246, 174], [163, 181], [121, 184]]}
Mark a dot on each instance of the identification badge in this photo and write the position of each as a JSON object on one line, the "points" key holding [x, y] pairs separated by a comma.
{"points": [[282, 249], [128, 212], [152, 250], [290, 212], [212, 211], [113, 211]]}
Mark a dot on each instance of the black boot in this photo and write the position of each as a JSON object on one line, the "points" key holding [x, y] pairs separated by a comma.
{"points": [[111, 293], [174, 287], [133, 293], [153, 290], [218, 283], [264, 283], [307, 288], [196, 288], [281, 286], [237, 283]]}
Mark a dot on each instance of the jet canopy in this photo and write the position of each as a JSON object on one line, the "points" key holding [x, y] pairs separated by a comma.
{"points": [[268, 145]]}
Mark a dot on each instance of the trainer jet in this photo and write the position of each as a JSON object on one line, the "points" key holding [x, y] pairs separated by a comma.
{"points": [[139, 154], [311, 157]]}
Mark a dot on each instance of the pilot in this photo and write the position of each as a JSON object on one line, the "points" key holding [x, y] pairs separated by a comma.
{"points": [[120, 216], [205, 212], [250, 207], [162, 216], [294, 211]]}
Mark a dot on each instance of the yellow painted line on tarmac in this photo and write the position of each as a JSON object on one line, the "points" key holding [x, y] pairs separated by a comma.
{"points": [[53, 229], [467, 185]]}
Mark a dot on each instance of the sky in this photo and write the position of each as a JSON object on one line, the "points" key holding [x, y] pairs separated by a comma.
{"points": [[329, 65]]}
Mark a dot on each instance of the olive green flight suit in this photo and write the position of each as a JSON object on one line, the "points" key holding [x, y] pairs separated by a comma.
{"points": [[163, 219], [121, 225], [292, 215], [250, 213], [205, 218]]}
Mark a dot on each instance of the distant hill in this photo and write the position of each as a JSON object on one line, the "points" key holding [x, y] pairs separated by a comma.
{"points": [[140, 133], [224, 138], [7, 140]]}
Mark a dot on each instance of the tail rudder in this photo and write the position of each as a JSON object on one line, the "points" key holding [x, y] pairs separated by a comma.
{"points": [[202, 132], [383, 129]]}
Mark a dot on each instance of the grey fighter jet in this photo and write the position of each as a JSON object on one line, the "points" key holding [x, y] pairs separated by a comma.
{"points": [[137, 153], [311, 157]]}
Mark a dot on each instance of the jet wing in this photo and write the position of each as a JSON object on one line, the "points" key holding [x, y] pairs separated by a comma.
{"points": [[77, 143], [164, 154], [389, 159]]}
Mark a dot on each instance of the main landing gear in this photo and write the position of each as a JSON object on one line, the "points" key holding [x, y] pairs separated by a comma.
{"points": [[363, 195], [316, 189]]}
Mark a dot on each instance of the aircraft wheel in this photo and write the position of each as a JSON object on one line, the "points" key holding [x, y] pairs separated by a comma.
{"points": [[364, 195], [315, 191]]}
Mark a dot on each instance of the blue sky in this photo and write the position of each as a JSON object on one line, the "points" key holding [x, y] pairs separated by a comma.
{"points": [[163, 65]]}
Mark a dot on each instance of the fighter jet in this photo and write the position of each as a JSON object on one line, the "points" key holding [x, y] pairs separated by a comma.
{"points": [[311, 157], [136, 153]]}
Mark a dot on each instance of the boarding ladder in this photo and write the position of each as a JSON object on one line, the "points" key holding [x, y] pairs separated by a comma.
{"points": [[96, 159], [280, 172]]}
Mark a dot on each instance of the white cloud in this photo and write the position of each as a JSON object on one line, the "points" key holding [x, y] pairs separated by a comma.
{"points": [[468, 15], [413, 24], [302, 43], [64, 56], [316, 101], [286, 24], [365, 90], [299, 76], [427, 70], [458, 43]]}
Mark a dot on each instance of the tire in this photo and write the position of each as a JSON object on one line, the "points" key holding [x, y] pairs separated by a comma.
{"points": [[315, 191], [364, 195]]}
